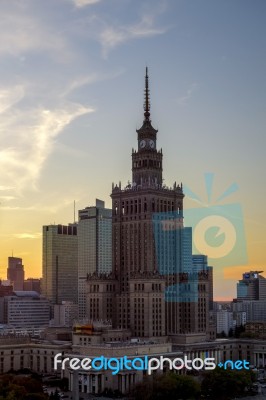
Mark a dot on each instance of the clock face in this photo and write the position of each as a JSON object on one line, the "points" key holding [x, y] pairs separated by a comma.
{"points": [[152, 144], [142, 144]]}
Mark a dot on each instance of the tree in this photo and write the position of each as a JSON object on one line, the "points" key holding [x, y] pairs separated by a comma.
{"points": [[239, 331], [224, 384], [35, 396], [231, 332], [13, 387], [15, 392], [168, 386]]}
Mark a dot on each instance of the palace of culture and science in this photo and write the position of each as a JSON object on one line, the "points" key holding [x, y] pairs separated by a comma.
{"points": [[157, 288], [128, 279]]}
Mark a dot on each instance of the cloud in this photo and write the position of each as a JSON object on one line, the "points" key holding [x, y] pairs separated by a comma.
{"points": [[4, 188], [10, 97], [79, 82], [27, 135], [110, 36], [27, 235], [83, 3], [90, 79], [7, 198], [22, 32], [183, 100]]}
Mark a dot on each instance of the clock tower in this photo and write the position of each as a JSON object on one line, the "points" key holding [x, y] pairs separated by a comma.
{"points": [[154, 290], [147, 160], [142, 277]]}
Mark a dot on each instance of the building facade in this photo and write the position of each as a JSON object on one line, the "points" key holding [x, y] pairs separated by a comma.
{"points": [[15, 272], [153, 289], [255, 310], [224, 321], [18, 352], [32, 284], [65, 314], [26, 310], [94, 247], [200, 262], [60, 263], [252, 286]]}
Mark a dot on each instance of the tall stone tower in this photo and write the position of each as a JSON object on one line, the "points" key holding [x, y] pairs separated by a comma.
{"points": [[152, 283]]}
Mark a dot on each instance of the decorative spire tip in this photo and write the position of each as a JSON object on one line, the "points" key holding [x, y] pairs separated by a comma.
{"points": [[147, 97]]}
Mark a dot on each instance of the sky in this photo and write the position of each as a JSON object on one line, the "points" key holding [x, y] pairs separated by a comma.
{"points": [[71, 99]]}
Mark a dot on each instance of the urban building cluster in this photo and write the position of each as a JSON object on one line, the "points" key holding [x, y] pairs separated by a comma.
{"points": [[124, 282], [248, 307]]}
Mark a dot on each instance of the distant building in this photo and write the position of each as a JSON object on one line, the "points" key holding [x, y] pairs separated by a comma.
{"points": [[32, 284], [201, 263], [23, 352], [224, 321], [65, 314], [60, 263], [256, 329], [240, 318], [6, 289], [26, 309], [255, 309], [252, 286], [94, 246], [15, 272], [18, 352]]}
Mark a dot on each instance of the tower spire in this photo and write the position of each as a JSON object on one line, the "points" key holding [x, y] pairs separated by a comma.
{"points": [[147, 98]]}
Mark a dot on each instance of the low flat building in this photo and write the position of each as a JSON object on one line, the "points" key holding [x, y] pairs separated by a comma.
{"points": [[21, 352], [26, 309]]}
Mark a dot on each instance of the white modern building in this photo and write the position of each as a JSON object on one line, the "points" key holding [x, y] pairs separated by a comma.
{"points": [[224, 321]]}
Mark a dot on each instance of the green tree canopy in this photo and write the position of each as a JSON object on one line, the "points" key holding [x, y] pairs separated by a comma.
{"points": [[224, 384], [169, 386], [17, 387]]}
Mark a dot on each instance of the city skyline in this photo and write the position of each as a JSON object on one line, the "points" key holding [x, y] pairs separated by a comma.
{"points": [[71, 99]]}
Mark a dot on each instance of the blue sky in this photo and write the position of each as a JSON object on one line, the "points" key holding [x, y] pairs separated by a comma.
{"points": [[71, 95]]}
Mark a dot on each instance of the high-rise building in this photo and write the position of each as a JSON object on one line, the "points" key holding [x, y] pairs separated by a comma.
{"points": [[252, 286], [60, 263], [94, 247], [15, 272], [153, 289]]}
